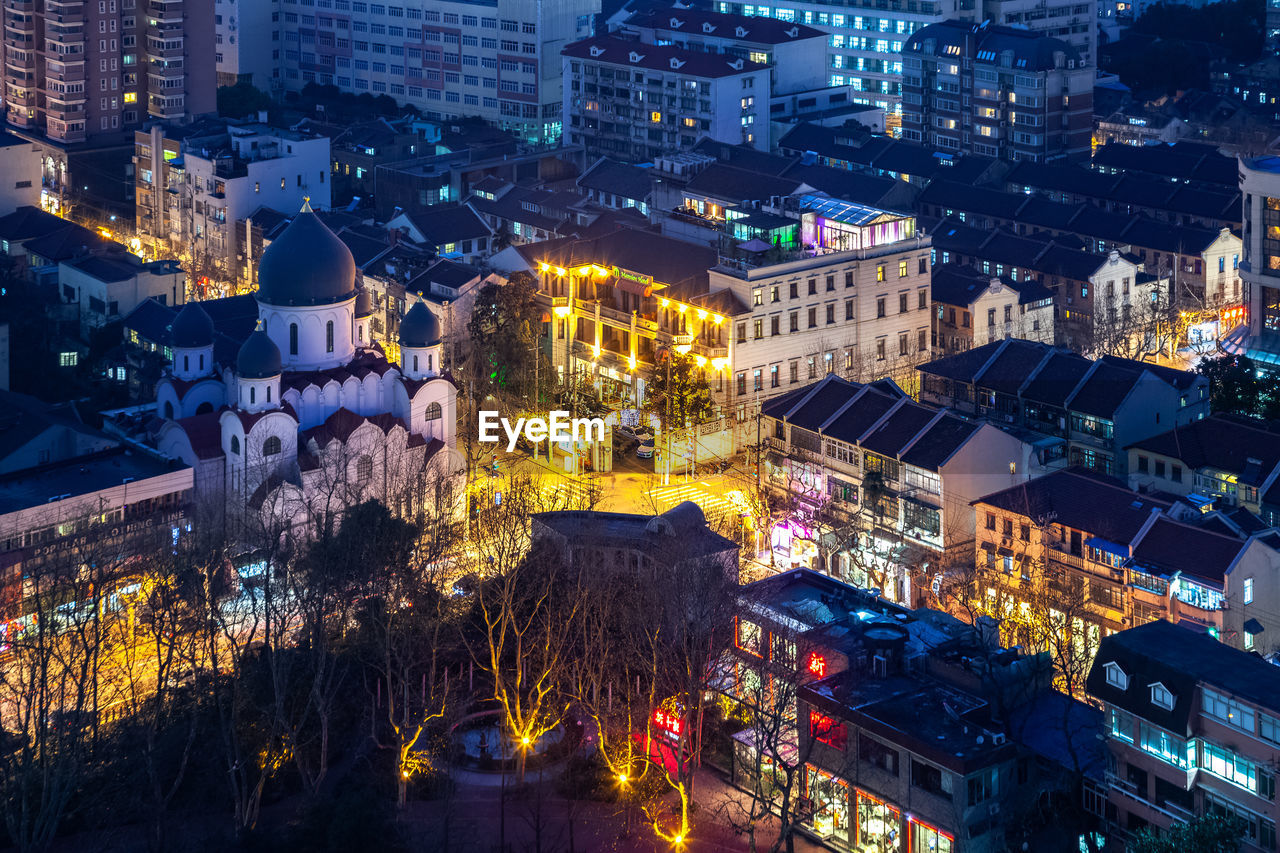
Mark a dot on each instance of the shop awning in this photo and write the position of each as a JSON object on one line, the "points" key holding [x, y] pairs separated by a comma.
{"points": [[639, 288], [1107, 545], [1004, 552], [1253, 626]]}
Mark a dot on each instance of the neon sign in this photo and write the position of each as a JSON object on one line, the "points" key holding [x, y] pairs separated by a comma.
{"points": [[817, 665], [668, 722]]}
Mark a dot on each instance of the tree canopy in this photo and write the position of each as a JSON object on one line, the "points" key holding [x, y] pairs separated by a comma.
{"points": [[1235, 388], [503, 332], [677, 392]]}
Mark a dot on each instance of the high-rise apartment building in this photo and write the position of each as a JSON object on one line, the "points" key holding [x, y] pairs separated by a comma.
{"points": [[499, 61], [243, 43], [996, 91], [76, 69], [864, 48]]}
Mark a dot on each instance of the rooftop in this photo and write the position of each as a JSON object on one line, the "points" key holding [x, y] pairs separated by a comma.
{"points": [[678, 535], [617, 51], [49, 484], [1249, 450], [697, 23]]}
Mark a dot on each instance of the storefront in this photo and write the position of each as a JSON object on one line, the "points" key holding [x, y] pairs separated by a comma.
{"points": [[928, 839], [879, 826], [828, 799]]}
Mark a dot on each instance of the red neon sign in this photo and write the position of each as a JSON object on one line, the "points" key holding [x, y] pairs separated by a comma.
{"points": [[817, 665], [667, 722], [1232, 316]]}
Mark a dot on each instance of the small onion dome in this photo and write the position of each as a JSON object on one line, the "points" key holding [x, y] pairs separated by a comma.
{"points": [[364, 303], [259, 358], [420, 328], [192, 328], [306, 265]]}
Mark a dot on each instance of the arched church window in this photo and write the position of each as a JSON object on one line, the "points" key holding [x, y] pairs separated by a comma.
{"points": [[271, 446], [204, 408], [186, 362], [293, 339], [168, 410], [431, 362], [253, 395], [268, 393], [202, 361], [328, 337], [364, 469], [415, 364], [360, 333], [433, 412], [235, 444]]}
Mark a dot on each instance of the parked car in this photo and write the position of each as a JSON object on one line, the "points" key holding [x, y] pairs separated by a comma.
{"points": [[644, 449]]}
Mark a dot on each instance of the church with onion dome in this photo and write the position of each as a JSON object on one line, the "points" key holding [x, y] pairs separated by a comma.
{"points": [[311, 417]]}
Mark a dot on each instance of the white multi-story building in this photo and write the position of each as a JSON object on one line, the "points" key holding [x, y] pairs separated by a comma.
{"points": [[499, 61], [108, 287], [633, 101], [243, 45], [846, 293], [192, 196], [865, 43]]}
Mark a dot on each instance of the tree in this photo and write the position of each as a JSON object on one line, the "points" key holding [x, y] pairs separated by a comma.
{"points": [[1234, 387], [677, 392], [242, 99], [504, 360], [1210, 833]]}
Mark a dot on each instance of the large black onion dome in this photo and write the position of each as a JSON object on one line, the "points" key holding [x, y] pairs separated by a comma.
{"points": [[420, 328], [192, 328], [259, 358], [306, 265]]}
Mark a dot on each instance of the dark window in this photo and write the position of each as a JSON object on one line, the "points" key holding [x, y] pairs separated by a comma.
{"points": [[875, 753], [848, 279], [271, 446], [1143, 464], [902, 303], [328, 337], [293, 339], [813, 286], [928, 778], [831, 283]]}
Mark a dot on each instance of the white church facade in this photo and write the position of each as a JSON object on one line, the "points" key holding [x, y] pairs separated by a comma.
{"points": [[311, 418]]}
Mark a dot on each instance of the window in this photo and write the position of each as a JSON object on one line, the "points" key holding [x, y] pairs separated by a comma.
{"points": [[831, 313], [1227, 710], [902, 303], [364, 469], [902, 269], [1248, 590], [880, 272], [749, 637], [68, 359], [983, 786], [271, 446], [1163, 745], [433, 412], [1161, 697], [923, 300], [293, 339], [930, 778], [826, 730], [877, 754], [1121, 724], [1116, 676], [328, 337], [773, 376], [879, 306]]}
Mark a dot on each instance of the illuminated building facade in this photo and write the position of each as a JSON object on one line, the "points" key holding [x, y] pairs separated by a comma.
{"points": [[1113, 558], [1192, 728], [877, 487]]}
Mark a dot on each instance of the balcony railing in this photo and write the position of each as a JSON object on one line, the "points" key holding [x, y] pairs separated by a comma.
{"points": [[1130, 791]]}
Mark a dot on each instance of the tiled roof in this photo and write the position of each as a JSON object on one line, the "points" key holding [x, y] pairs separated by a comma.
{"points": [[698, 23], [1224, 443], [1180, 659], [1081, 499], [733, 184], [1170, 547], [610, 176]]}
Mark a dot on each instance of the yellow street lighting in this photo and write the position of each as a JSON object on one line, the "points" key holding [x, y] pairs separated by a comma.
{"points": [[665, 302], [524, 741], [717, 319], [584, 270], [544, 266], [702, 360], [702, 313], [563, 310], [600, 271], [404, 773], [682, 308], [622, 777], [560, 270]]}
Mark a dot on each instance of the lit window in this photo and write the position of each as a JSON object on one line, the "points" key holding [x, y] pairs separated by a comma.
{"points": [[655, 116], [68, 359], [130, 97], [1248, 590]]}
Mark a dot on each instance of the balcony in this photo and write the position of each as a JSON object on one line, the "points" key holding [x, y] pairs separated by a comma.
{"points": [[160, 10], [1129, 791]]}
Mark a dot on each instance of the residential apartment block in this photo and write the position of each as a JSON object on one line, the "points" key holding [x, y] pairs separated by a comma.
{"points": [[1030, 97], [634, 101], [194, 184], [971, 309], [879, 486], [1087, 412], [246, 42], [499, 61], [1260, 266], [1109, 558], [1220, 462], [1193, 728], [79, 69]]}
